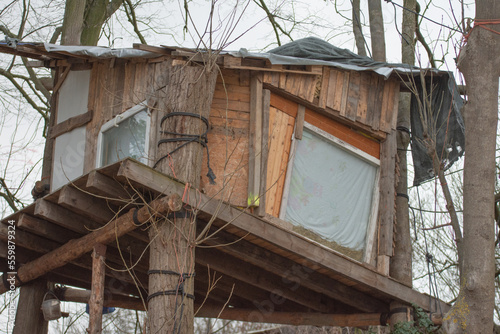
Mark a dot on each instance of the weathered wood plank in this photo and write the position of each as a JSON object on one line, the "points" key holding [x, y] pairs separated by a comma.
{"points": [[299, 122], [325, 81], [45, 229], [96, 300], [70, 124], [266, 102], [387, 194], [255, 141], [291, 318], [364, 92], [292, 271], [345, 94], [259, 278]]}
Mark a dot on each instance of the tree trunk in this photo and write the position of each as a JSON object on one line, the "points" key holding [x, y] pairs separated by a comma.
{"points": [[479, 62], [74, 14], [29, 317], [189, 89], [401, 262], [377, 30], [357, 28]]}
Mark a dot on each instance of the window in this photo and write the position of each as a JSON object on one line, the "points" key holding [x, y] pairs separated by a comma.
{"points": [[127, 135], [331, 191]]}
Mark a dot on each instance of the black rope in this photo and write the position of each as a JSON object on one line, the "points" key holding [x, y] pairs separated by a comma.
{"points": [[179, 291], [134, 217], [404, 129], [403, 195], [201, 139], [169, 293], [163, 272], [179, 214]]}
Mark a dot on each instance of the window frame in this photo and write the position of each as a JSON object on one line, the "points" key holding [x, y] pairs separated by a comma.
{"points": [[115, 121], [373, 216]]}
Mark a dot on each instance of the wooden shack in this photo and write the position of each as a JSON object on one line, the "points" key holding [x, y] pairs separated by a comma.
{"points": [[296, 191]]}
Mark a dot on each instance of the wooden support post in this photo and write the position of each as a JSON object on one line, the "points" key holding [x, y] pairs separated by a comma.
{"points": [[29, 317], [255, 140], [387, 202], [73, 249], [183, 108], [96, 301], [266, 105]]}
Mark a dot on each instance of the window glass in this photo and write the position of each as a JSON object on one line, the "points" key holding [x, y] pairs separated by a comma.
{"points": [[330, 191], [126, 139]]}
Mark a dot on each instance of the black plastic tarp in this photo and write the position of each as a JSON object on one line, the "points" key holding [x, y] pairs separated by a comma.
{"points": [[444, 123]]}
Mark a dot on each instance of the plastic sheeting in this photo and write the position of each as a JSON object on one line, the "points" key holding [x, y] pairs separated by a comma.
{"points": [[445, 123], [314, 51], [99, 51], [330, 191]]}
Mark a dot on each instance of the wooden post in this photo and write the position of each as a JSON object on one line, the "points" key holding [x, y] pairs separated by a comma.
{"points": [[183, 108], [96, 301], [255, 140], [29, 317], [387, 202]]}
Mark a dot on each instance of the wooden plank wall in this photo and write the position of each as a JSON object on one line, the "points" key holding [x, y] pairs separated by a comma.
{"points": [[301, 85], [228, 138], [116, 86], [360, 97], [281, 127]]}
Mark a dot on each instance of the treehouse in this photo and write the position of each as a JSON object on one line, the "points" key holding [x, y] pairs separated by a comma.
{"points": [[296, 190]]}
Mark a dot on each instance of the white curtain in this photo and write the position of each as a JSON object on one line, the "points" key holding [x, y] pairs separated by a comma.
{"points": [[330, 191]]}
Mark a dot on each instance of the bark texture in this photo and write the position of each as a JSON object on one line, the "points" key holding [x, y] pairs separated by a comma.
{"points": [[377, 30], [479, 62], [357, 28], [29, 316], [189, 89], [401, 262]]}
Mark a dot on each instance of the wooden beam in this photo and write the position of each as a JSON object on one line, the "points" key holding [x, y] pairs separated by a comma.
{"points": [[261, 279], [96, 301], [110, 300], [296, 273], [299, 122], [45, 229], [76, 248], [388, 151], [291, 318], [266, 104], [294, 243], [105, 186], [255, 140], [70, 124]]}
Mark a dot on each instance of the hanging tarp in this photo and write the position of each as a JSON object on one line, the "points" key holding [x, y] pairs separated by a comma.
{"points": [[435, 114]]}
